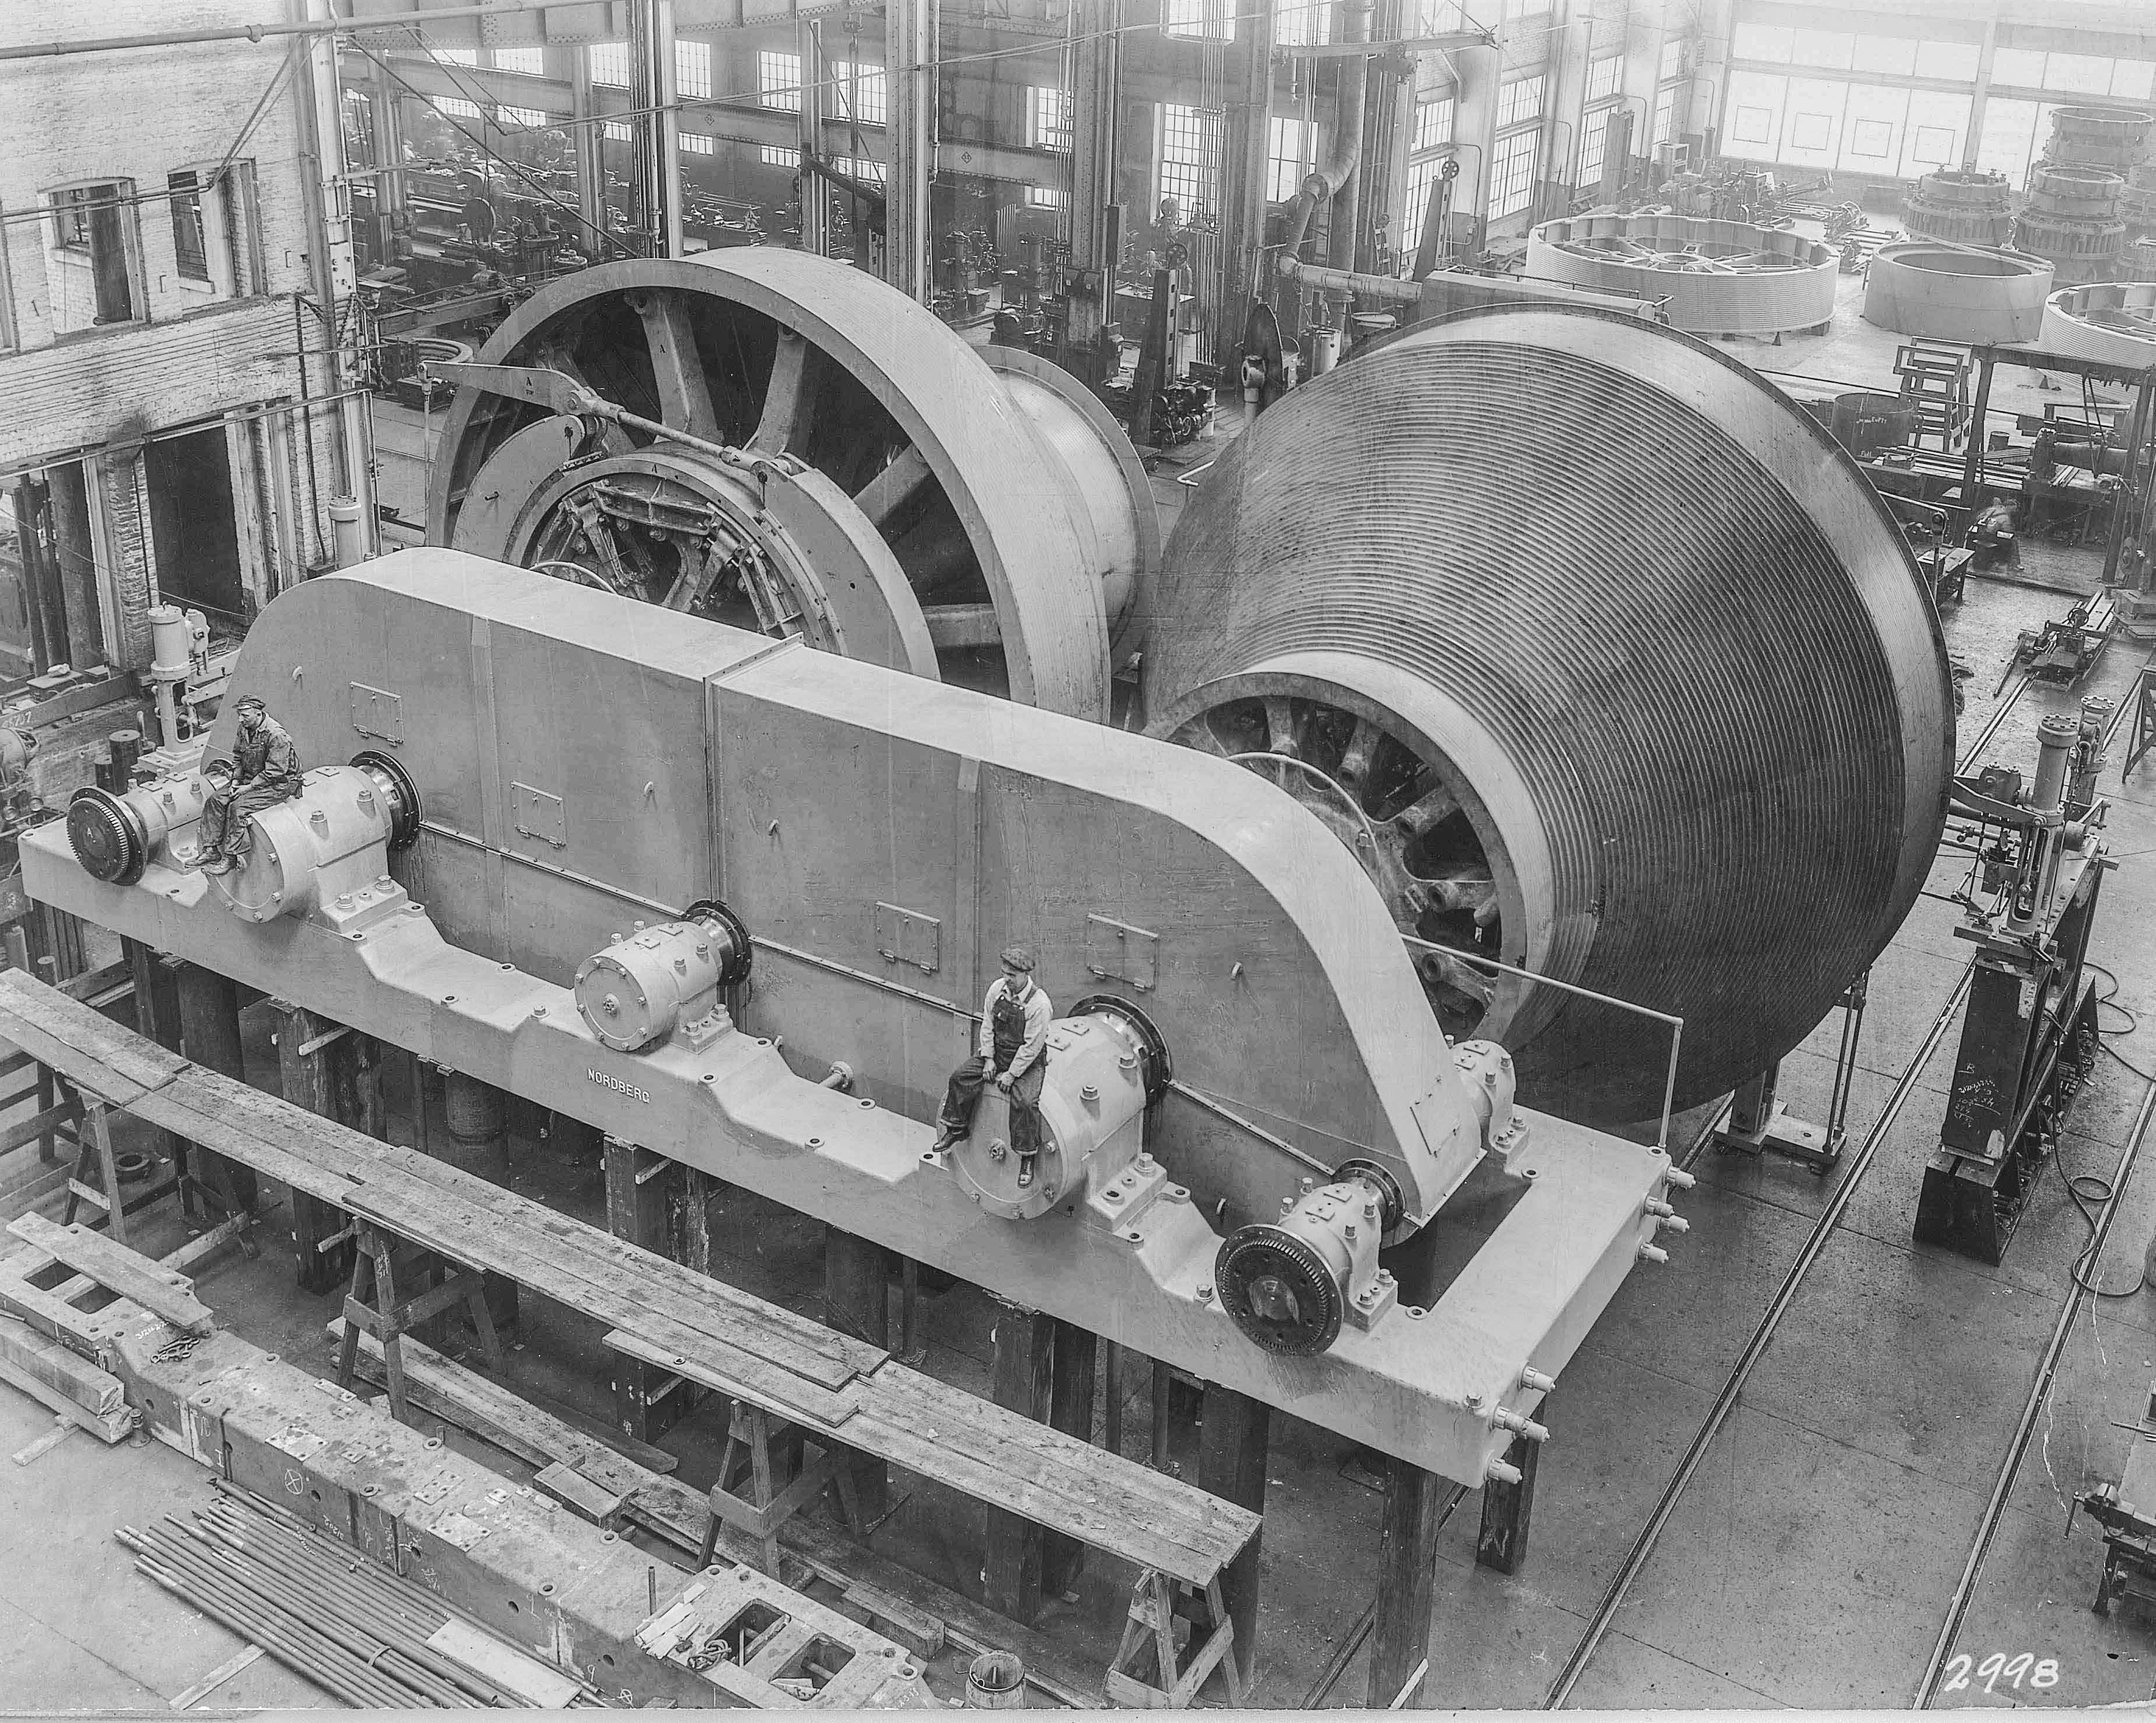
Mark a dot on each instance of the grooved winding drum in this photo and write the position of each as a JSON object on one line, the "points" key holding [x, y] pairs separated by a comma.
{"points": [[1605, 661]]}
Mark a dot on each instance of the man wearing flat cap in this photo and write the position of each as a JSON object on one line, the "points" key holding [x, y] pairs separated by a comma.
{"points": [[1011, 1051], [264, 770]]}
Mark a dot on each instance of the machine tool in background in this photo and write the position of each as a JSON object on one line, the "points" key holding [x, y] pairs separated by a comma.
{"points": [[2028, 1035], [2067, 648], [2127, 1512]]}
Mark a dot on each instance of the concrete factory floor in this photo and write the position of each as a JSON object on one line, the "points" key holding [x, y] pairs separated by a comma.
{"points": [[1815, 1556]]}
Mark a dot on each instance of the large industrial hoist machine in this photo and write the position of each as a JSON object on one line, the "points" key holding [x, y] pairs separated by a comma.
{"points": [[660, 874]]}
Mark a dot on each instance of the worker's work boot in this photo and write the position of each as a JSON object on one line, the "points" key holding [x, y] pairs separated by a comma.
{"points": [[947, 1136]]}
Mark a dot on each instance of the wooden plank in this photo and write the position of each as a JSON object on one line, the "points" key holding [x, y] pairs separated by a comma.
{"points": [[114, 1064], [112, 1264], [812, 1409], [107, 1427]]}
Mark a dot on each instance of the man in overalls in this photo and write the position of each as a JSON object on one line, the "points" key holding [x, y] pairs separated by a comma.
{"points": [[1011, 1051], [264, 771]]}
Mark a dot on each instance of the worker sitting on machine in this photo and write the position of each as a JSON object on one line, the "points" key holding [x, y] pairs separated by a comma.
{"points": [[264, 770], [1012, 1049], [1991, 535]]}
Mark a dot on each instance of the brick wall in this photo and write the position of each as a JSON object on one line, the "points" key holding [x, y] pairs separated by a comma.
{"points": [[138, 116]]}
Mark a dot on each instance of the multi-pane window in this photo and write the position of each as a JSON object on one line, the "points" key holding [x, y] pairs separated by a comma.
{"points": [[1303, 23], [616, 131], [457, 106], [1212, 18], [777, 156], [190, 244], [1520, 101], [859, 92], [692, 70], [1673, 61], [1605, 76], [864, 168], [1422, 184], [530, 117], [609, 62], [778, 80], [1512, 174], [1048, 117], [1189, 157], [456, 56], [1045, 196], [532, 62], [1665, 112], [1593, 144], [699, 143], [1291, 151], [1433, 125]]}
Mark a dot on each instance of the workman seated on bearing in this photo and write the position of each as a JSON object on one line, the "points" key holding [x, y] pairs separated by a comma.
{"points": [[1992, 535], [264, 770], [1012, 1050]]}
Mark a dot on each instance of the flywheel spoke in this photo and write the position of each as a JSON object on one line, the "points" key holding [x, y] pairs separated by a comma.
{"points": [[1279, 727], [1360, 753], [889, 491], [789, 405], [685, 395], [1197, 733], [1425, 811]]}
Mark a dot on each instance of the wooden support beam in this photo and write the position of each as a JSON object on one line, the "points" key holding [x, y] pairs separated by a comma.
{"points": [[642, 1193], [210, 1035], [1407, 1579], [1024, 1353], [1070, 1410], [339, 1079], [111, 1264], [1231, 1464], [1501, 1541], [857, 1302]]}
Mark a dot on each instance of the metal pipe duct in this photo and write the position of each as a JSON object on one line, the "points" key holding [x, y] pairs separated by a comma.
{"points": [[1603, 660], [1333, 178]]}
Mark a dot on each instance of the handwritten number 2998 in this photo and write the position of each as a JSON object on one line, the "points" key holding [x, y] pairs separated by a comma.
{"points": [[2041, 1672]]}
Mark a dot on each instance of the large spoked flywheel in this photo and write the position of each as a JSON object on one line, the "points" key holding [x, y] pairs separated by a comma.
{"points": [[910, 500]]}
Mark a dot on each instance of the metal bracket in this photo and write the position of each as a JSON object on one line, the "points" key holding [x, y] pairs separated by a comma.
{"points": [[907, 936], [1119, 952], [540, 815], [378, 713]]}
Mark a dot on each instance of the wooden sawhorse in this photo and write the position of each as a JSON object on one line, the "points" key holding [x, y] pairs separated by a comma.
{"points": [[1150, 1627], [374, 1277], [771, 1504], [81, 1116]]}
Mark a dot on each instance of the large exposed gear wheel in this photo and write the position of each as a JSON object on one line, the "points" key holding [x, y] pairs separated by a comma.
{"points": [[913, 501]]}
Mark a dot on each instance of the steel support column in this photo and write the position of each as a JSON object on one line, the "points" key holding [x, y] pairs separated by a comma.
{"points": [[1095, 75], [591, 173], [1243, 218], [815, 99], [909, 54], [1502, 1542]]}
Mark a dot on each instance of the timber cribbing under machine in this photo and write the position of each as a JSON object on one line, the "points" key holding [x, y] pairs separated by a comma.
{"points": [[1534, 684]]}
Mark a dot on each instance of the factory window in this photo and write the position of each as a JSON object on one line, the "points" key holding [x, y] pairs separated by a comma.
{"points": [[2083, 73], [609, 62], [2008, 137], [1933, 147], [1512, 174], [699, 143], [1894, 55], [1291, 152], [1433, 125], [616, 131], [776, 156], [1188, 156], [1766, 93], [859, 92], [456, 56], [1045, 196], [1948, 61], [1666, 114], [190, 245], [525, 62], [1519, 102], [1767, 42], [530, 118], [1303, 23], [1593, 145], [1048, 117], [2133, 79], [864, 168], [1835, 49], [456, 106], [778, 80], [1214, 19], [2019, 66], [1604, 77], [1753, 125], [93, 275], [1809, 132], [1422, 183], [1672, 61], [1873, 139], [1437, 17], [1528, 14], [692, 70]]}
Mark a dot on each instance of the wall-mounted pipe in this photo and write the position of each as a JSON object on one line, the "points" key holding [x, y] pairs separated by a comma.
{"points": [[1330, 281], [1333, 181]]}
